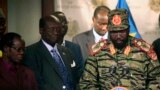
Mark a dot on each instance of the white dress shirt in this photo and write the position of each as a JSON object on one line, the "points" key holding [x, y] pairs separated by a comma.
{"points": [[98, 37]]}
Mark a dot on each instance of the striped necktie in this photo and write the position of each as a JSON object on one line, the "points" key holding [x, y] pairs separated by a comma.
{"points": [[62, 70]]}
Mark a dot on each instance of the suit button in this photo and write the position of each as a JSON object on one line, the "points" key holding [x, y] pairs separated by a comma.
{"points": [[64, 87]]}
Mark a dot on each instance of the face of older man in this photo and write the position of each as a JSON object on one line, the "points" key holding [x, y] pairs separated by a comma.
{"points": [[52, 32], [119, 38]]}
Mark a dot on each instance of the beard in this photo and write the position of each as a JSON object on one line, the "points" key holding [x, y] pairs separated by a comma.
{"points": [[119, 44]]}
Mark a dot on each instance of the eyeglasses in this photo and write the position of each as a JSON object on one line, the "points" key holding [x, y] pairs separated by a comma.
{"points": [[19, 49]]}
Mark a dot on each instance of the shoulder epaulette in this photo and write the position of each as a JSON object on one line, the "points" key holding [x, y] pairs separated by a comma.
{"points": [[97, 47], [144, 46]]}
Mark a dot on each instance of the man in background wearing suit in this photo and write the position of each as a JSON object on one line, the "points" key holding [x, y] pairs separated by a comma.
{"points": [[98, 32], [75, 48], [41, 58]]}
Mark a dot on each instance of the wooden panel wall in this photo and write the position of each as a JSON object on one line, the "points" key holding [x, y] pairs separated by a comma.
{"points": [[3, 6], [47, 7]]}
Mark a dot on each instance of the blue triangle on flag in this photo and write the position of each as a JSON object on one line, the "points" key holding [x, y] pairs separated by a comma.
{"points": [[133, 29]]}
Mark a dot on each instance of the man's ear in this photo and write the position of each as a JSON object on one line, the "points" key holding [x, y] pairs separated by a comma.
{"points": [[94, 20]]}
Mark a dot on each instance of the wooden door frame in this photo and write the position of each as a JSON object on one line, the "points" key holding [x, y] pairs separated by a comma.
{"points": [[47, 7]]}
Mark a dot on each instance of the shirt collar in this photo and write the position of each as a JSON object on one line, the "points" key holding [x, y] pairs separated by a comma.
{"points": [[49, 47], [98, 37]]}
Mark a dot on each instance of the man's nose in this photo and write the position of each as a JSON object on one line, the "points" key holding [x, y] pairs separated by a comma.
{"points": [[104, 27], [118, 35]]}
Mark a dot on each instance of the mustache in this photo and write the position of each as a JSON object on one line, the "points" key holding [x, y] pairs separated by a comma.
{"points": [[119, 39]]}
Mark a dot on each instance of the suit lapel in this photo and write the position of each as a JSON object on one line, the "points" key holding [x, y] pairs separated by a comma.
{"points": [[90, 40], [47, 55], [91, 37], [64, 56]]}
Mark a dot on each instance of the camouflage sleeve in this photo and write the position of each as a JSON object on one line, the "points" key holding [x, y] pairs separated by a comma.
{"points": [[88, 80], [154, 75]]}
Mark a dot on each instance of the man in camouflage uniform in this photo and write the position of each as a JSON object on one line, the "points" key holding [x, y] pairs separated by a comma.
{"points": [[122, 62]]}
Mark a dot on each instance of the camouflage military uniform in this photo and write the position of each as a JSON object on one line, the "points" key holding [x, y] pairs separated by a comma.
{"points": [[106, 70], [135, 67]]}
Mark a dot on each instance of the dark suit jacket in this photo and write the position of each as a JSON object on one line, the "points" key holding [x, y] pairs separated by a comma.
{"points": [[75, 49], [85, 40], [39, 59]]}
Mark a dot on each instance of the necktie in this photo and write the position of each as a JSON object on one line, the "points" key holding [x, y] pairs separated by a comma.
{"points": [[62, 70]]}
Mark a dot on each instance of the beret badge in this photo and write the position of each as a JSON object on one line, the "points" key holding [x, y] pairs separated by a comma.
{"points": [[116, 20]]}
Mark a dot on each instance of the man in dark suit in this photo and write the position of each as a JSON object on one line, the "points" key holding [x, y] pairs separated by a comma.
{"points": [[39, 57], [75, 48], [99, 31]]}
